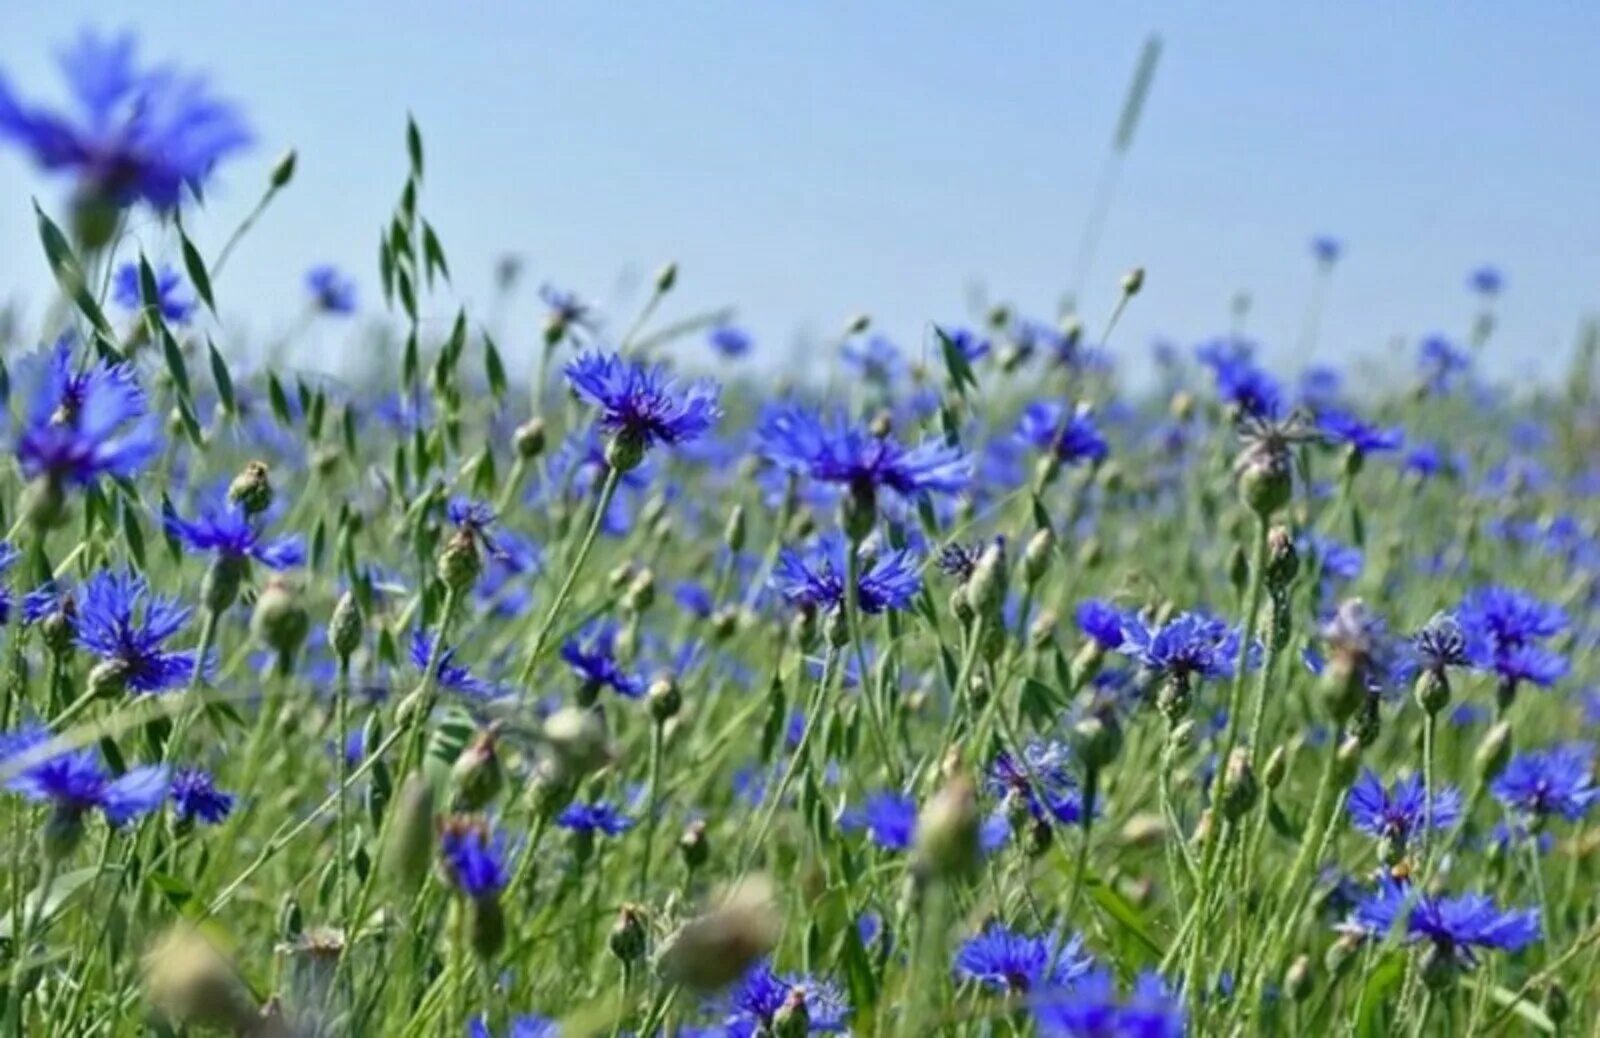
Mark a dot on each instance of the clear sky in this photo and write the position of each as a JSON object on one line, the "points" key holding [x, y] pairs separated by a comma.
{"points": [[807, 161]]}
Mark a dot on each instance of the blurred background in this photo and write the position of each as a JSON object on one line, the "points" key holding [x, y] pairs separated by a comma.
{"points": [[805, 162]]}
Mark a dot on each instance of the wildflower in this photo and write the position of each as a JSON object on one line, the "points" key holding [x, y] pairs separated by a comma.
{"points": [[449, 674], [121, 621], [474, 858], [1442, 363], [1186, 647], [1542, 783], [1441, 643], [1359, 437], [1486, 281], [831, 451], [730, 342], [878, 360], [1007, 961], [815, 578], [477, 519], [8, 558], [888, 818], [759, 998], [971, 346], [176, 306], [524, 1026], [1071, 437], [598, 817], [1042, 782], [332, 292], [1400, 811], [1327, 249], [1103, 622], [566, 312], [641, 406], [1240, 383], [75, 782], [1456, 927], [1090, 1007], [592, 656], [82, 424], [144, 134], [195, 796], [226, 529], [1504, 627]]}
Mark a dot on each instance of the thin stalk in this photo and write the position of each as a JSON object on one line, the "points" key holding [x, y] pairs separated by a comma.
{"points": [[601, 505], [652, 804]]}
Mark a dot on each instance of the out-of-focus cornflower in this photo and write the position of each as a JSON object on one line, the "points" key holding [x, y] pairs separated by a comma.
{"points": [[1327, 249], [1457, 928], [1010, 962], [1399, 812], [888, 818], [1359, 437], [592, 656], [474, 858], [1443, 364], [123, 623], [477, 519], [815, 577], [1427, 460], [523, 1026], [1103, 622], [799, 440], [1187, 647], [81, 425], [694, 598], [877, 360], [729, 342], [1042, 781], [1359, 641], [1240, 382], [1337, 560], [972, 346], [8, 558], [761, 1000], [1486, 281], [332, 291], [1504, 627], [195, 797], [567, 312], [451, 675], [1090, 1007], [598, 817], [75, 782], [176, 305], [1320, 388], [498, 588], [642, 406], [1071, 436], [224, 528], [1540, 783], [140, 134]]}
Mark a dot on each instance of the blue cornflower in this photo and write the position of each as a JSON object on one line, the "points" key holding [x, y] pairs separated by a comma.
{"points": [[1456, 926], [730, 342], [758, 997], [815, 577], [877, 360], [1043, 779], [1188, 646], [8, 558], [1071, 436], [1009, 962], [1341, 427], [592, 656], [1558, 781], [888, 818], [332, 291], [1441, 644], [1486, 281], [1504, 627], [176, 305], [1427, 460], [75, 782], [566, 311], [195, 796], [1326, 249], [1103, 622], [1240, 383], [694, 598], [1399, 812], [1320, 388], [1090, 1007], [144, 134], [82, 424], [476, 518], [969, 344], [451, 674], [1360, 640], [799, 440], [474, 858], [598, 817], [121, 621], [642, 406], [1442, 363], [524, 1026], [224, 528]]}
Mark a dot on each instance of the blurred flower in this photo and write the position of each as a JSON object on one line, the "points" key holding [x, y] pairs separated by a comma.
{"points": [[195, 796], [889, 818], [799, 440], [176, 305], [1486, 281], [1090, 1007], [758, 998], [598, 817], [451, 675], [82, 424], [474, 858], [592, 656], [1326, 248], [332, 292], [730, 342], [1504, 627], [1399, 811], [1457, 927], [1070, 435], [1190, 645], [223, 527], [1341, 427], [76, 782]]}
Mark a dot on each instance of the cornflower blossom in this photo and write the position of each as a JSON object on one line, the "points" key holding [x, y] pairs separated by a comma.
{"points": [[642, 406], [522, 1026], [815, 577], [1539, 784], [332, 292], [474, 858], [1188, 647], [969, 344], [222, 527], [761, 996], [1457, 929], [123, 623], [75, 783], [591, 654], [729, 342], [1442, 363], [1069, 436], [139, 134], [1359, 437], [1091, 1007], [1504, 628], [1486, 281], [1327, 249], [876, 360], [888, 818], [598, 817], [450, 674], [1010, 962], [1104, 623], [1400, 811], [195, 797], [176, 306], [1042, 781]]}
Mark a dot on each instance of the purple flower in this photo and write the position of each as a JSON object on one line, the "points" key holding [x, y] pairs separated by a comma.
{"points": [[474, 858], [642, 405], [1441, 644], [1504, 627], [968, 343], [176, 305], [1090, 1007], [1326, 249], [888, 818], [730, 342], [84, 424], [1341, 427], [1240, 382], [1070, 435], [1443, 364], [878, 360], [195, 796], [224, 528], [1456, 926], [123, 623], [524, 1026], [75, 781], [1399, 812], [1188, 646], [592, 656], [1557, 781], [1103, 622], [757, 998], [598, 817], [799, 440], [332, 291], [1486, 281], [1042, 779], [1010, 962], [451, 674], [815, 577], [142, 134]]}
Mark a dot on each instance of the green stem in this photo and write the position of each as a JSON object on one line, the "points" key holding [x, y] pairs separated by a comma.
{"points": [[652, 803], [601, 505]]}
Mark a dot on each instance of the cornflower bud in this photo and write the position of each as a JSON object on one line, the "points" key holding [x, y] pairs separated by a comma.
{"points": [[641, 593], [734, 532], [1494, 751], [1298, 981], [692, 845], [1342, 688], [345, 627], [1043, 628], [1276, 769], [858, 511], [986, 588], [793, 1019], [1098, 738], [664, 699], [1239, 789], [577, 741], [1347, 761], [251, 489], [1432, 690], [460, 563], [1283, 562], [624, 451], [945, 845], [283, 170], [712, 950], [280, 621], [627, 938], [191, 984], [409, 843], [528, 440], [1036, 557], [478, 774], [1132, 281]]}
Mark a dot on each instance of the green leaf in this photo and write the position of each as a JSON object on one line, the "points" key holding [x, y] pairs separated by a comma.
{"points": [[221, 376], [414, 146], [955, 363], [1040, 702], [1381, 982], [279, 400], [176, 890], [176, 367], [433, 253], [133, 533], [196, 268], [1120, 909], [68, 272], [55, 898], [1505, 999], [858, 974], [493, 368]]}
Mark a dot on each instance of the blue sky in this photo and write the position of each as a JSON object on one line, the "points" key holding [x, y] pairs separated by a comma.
{"points": [[809, 161]]}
